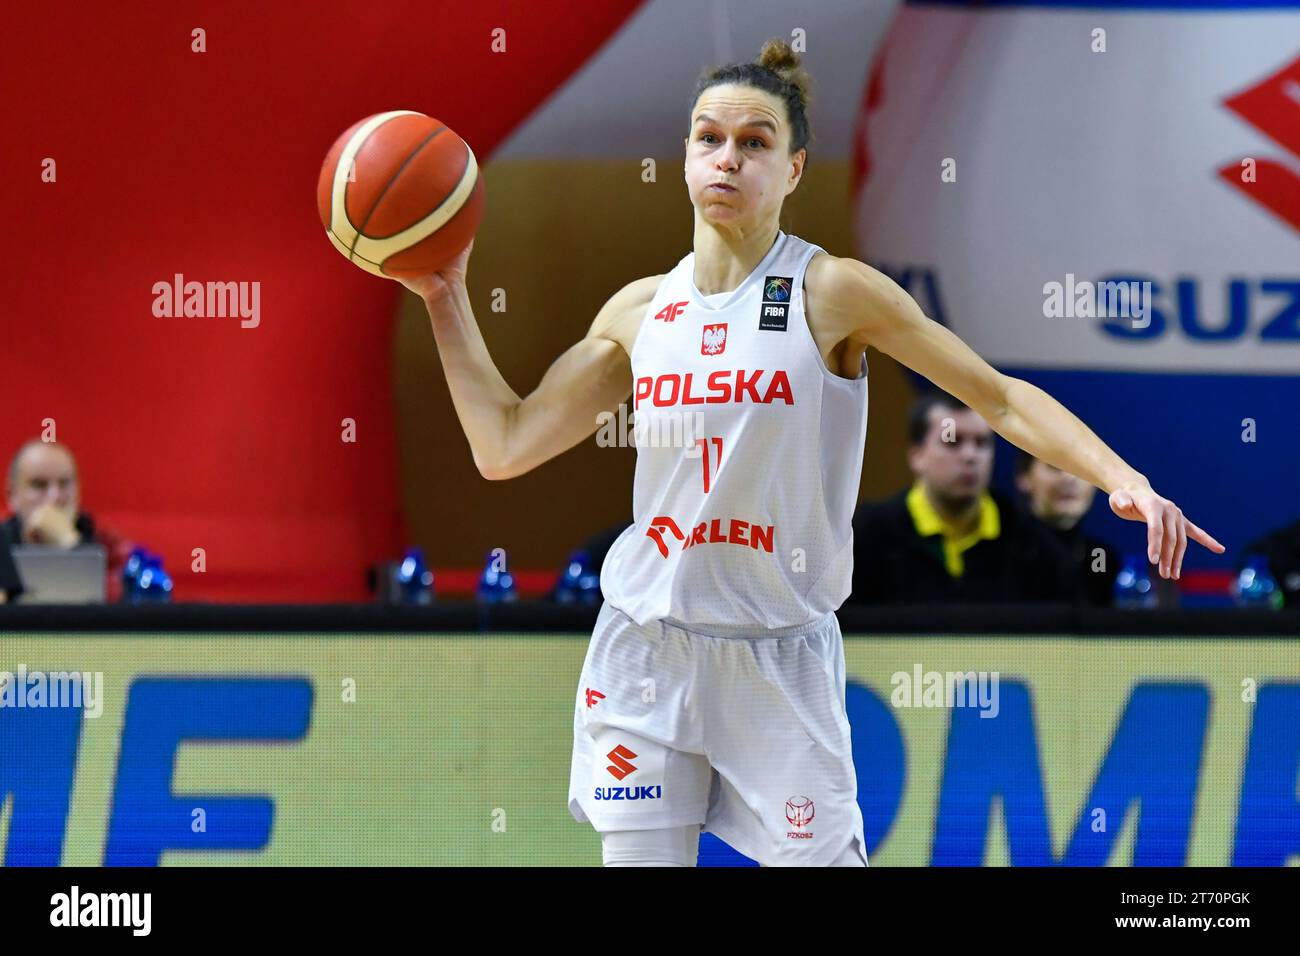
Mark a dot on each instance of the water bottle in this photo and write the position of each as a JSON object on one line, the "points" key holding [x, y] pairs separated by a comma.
{"points": [[1133, 583], [131, 574], [496, 586], [1255, 586], [414, 579], [578, 584], [154, 585]]}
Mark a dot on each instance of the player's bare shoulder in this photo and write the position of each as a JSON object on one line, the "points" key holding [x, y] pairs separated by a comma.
{"points": [[832, 303], [831, 282], [620, 318], [839, 293]]}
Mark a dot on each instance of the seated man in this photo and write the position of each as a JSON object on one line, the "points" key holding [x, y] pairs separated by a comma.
{"points": [[949, 538], [1060, 500], [44, 494]]}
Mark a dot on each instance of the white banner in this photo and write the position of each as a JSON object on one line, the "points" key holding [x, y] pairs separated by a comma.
{"points": [[1019, 152]]}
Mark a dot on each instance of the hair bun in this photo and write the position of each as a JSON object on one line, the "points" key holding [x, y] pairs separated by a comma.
{"points": [[778, 56]]}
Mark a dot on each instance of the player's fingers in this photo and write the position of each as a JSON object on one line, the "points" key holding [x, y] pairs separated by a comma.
{"points": [[1182, 545], [462, 259], [1170, 523], [1155, 532], [1204, 537]]}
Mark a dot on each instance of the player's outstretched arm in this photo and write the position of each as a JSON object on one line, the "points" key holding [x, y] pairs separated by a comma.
{"points": [[871, 309], [509, 436]]}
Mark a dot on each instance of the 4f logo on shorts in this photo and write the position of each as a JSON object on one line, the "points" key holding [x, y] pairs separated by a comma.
{"points": [[714, 339], [775, 306], [799, 811]]}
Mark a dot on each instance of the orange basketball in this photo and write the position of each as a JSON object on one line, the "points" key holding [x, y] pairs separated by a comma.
{"points": [[400, 194]]}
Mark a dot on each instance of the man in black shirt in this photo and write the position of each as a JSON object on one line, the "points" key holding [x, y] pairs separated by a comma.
{"points": [[949, 538], [1060, 500]]}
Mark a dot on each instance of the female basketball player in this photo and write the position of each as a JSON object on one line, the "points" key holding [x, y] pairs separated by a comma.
{"points": [[712, 694]]}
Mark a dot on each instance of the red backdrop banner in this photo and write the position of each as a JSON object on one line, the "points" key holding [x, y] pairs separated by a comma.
{"points": [[227, 433]]}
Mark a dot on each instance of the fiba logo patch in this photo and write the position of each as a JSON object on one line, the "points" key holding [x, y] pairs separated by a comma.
{"points": [[776, 289], [774, 309], [713, 341], [799, 811]]}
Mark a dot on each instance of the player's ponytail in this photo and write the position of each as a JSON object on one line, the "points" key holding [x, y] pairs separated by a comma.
{"points": [[778, 71]]}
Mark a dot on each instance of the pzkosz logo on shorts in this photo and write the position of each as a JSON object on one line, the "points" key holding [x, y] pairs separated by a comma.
{"points": [[800, 812]]}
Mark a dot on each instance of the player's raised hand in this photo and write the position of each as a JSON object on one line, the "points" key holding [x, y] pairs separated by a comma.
{"points": [[1167, 528], [444, 282]]}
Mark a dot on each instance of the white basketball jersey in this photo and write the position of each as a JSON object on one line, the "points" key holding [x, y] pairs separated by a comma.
{"points": [[749, 455]]}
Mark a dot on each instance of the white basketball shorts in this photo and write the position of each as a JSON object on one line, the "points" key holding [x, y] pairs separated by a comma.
{"points": [[743, 733]]}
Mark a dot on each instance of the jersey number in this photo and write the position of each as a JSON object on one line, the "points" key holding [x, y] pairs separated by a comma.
{"points": [[704, 458]]}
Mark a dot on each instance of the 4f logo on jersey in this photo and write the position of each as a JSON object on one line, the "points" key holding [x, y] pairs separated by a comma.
{"points": [[714, 339], [670, 312], [594, 697], [774, 309]]}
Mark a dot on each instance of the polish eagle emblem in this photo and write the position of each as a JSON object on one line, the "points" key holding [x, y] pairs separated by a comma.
{"points": [[714, 340]]}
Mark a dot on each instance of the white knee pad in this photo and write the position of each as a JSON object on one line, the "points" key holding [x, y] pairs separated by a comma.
{"points": [[674, 846]]}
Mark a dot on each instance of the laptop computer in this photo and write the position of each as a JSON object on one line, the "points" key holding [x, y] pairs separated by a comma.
{"points": [[57, 576]]}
